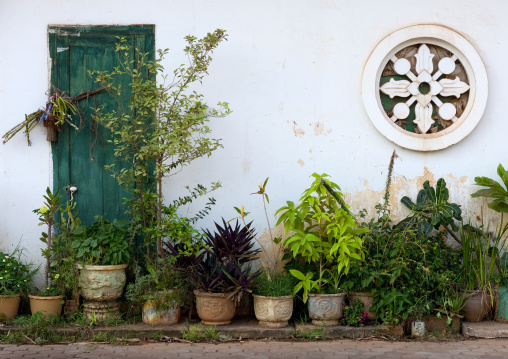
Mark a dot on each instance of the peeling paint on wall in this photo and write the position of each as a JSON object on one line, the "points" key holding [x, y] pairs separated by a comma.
{"points": [[298, 131], [300, 162]]}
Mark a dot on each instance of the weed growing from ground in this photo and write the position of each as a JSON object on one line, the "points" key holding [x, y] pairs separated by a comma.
{"points": [[198, 333]]}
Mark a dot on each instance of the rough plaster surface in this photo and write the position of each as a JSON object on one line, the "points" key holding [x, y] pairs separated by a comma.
{"points": [[294, 85]]}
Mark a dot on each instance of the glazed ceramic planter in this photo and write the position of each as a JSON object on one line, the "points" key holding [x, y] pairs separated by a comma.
{"points": [[154, 316], [477, 305], [273, 312], [9, 306], [101, 286], [46, 305], [367, 299], [326, 309], [215, 308]]}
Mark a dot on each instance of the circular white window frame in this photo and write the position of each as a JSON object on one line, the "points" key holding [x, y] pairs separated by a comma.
{"points": [[435, 35]]}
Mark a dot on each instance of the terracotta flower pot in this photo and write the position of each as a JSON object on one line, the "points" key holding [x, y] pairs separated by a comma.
{"points": [[477, 305], [46, 305], [367, 299], [9, 306], [101, 286], [326, 309], [273, 312], [152, 315], [215, 308]]}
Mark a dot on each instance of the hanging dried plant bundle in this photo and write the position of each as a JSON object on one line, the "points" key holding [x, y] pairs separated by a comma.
{"points": [[58, 111]]}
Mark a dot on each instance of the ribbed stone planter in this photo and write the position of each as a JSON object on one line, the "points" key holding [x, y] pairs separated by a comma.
{"points": [[9, 306], [273, 312], [326, 309], [101, 286], [215, 308], [46, 305], [367, 299]]}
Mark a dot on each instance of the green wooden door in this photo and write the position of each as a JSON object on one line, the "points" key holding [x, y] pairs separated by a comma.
{"points": [[79, 157]]}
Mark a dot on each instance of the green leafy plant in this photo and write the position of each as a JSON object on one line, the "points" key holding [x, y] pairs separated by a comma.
{"points": [[15, 276], [198, 333], [494, 190], [163, 286], [102, 243], [432, 205], [451, 306], [323, 234], [274, 285], [46, 217], [354, 315], [481, 255], [163, 129]]}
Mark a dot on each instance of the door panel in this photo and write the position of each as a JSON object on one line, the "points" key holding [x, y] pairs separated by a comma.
{"points": [[79, 157]]}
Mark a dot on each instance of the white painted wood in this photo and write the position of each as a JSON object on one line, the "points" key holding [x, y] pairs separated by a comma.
{"points": [[395, 88], [453, 87], [446, 65], [447, 111], [423, 117], [402, 66], [401, 110], [424, 60]]}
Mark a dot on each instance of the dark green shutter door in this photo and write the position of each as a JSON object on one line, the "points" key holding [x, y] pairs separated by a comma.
{"points": [[79, 157]]}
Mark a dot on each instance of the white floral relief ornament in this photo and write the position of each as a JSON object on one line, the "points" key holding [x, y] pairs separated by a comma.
{"points": [[425, 74], [440, 80]]}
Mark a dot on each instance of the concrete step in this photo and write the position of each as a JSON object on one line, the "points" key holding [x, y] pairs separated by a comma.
{"points": [[485, 330]]}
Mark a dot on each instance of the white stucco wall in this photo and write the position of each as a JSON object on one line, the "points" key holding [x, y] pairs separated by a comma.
{"points": [[291, 71]]}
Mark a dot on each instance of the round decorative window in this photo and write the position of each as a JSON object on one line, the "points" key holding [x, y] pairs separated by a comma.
{"points": [[425, 87]]}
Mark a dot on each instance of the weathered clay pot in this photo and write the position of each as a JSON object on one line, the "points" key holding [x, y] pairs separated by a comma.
{"points": [[326, 309], [46, 305], [101, 286], [273, 312], [152, 315], [215, 308], [367, 299], [9, 306], [477, 305], [435, 324]]}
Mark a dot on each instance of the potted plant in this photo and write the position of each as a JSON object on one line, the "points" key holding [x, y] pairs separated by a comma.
{"points": [[480, 258], [220, 270], [326, 236], [354, 315], [273, 289], [49, 301], [103, 253], [160, 292], [15, 279], [447, 313]]}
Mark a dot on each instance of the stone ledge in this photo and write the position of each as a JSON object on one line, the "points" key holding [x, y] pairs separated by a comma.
{"points": [[240, 328], [485, 330]]}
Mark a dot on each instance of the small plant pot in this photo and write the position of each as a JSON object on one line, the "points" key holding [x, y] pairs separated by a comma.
{"points": [[326, 309], [273, 312], [101, 286], [153, 316], [477, 305], [418, 328], [9, 306], [46, 305], [215, 308], [367, 299]]}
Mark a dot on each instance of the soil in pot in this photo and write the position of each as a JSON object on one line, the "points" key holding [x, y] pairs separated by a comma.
{"points": [[215, 308], [273, 312], [46, 305], [478, 304], [367, 299], [326, 309], [9, 306]]}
